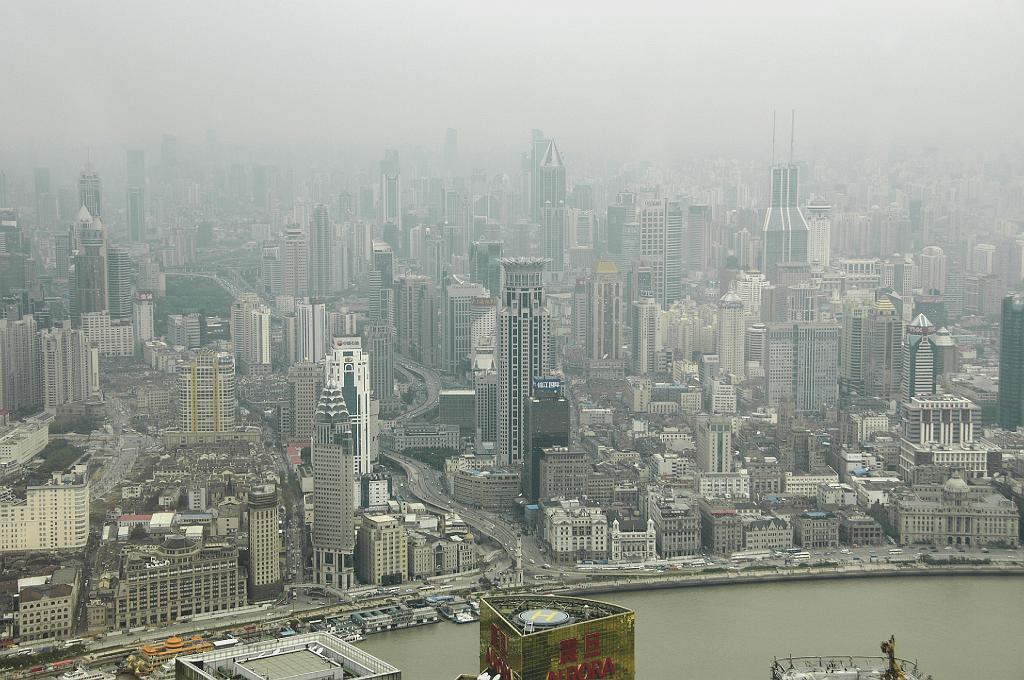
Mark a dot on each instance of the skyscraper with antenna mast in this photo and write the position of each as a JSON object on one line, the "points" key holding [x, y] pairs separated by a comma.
{"points": [[785, 232]]}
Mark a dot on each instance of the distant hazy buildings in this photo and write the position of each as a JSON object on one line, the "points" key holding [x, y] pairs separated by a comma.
{"points": [[135, 195], [90, 192]]}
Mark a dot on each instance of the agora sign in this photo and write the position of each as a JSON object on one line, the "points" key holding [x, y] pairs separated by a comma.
{"points": [[586, 666], [588, 670], [575, 662]]}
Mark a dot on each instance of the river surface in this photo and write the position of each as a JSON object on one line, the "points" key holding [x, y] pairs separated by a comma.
{"points": [[959, 628]]}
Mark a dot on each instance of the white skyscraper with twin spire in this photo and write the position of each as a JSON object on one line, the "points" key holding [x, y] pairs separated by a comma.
{"points": [[348, 365], [334, 485]]}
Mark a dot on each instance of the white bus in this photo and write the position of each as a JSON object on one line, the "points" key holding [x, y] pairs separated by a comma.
{"points": [[802, 556]]}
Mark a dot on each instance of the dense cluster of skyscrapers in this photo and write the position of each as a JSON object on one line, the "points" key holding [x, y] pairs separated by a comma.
{"points": [[534, 295]]}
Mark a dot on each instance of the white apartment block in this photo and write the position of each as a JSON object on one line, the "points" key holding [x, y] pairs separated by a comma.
{"points": [[53, 516], [110, 338], [806, 485]]}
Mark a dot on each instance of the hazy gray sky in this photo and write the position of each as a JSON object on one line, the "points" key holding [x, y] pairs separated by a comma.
{"points": [[640, 75]]}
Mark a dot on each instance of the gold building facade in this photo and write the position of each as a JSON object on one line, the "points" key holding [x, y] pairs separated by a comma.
{"points": [[533, 637]]}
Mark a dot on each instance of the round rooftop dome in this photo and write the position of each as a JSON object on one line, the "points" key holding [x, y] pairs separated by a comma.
{"points": [[955, 484]]}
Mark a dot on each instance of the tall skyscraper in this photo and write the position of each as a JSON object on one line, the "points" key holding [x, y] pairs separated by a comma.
{"points": [[88, 285], [265, 582], [46, 199], [616, 218], [311, 339], [457, 317], [749, 286], [349, 366], [884, 351], [305, 380], [1011, 363], [321, 281], [416, 319], [391, 191], [785, 232], [120, 275], [920, 360], [660, 224], [604, 313], [524, 352], [485, 388], [548, 425], [334, 484], [714, 444], [485, 265], [580, 313], [142, 316], [295, 263], [644, 327], [380, 344], [731, 335], [271, 276], [21, 384], [250, 333], [136, 195], [802, 365], [852, 364], [538, 148], [382, 281], [551, 198], [206, 392], [933, 270], [90, 192], [699, 240], [819, 244], [69, 366]]}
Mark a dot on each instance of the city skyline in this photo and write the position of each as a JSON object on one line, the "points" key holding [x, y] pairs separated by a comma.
{"points": [[338, 319]]}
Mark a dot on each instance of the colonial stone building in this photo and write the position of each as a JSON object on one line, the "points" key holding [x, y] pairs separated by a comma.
{"points": [[160, 584], [954, 514], [816, 530], [769, 533], [632, 544]]}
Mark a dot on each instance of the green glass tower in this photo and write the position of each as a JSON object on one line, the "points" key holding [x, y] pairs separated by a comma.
{"points": [[1011, 363]]}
